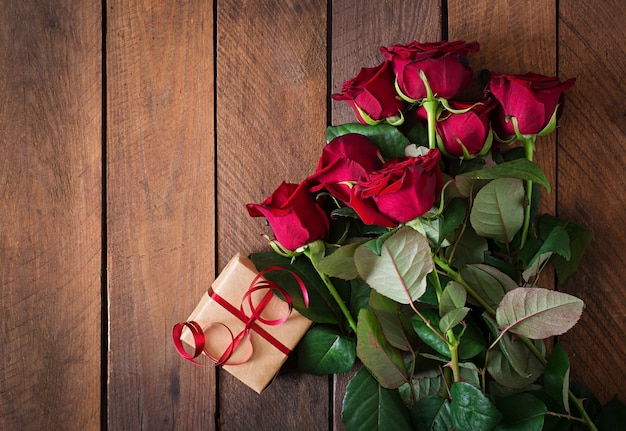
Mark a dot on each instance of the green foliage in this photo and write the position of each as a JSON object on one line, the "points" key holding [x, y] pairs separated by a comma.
{"points": [[323, 350], [369, 406], [399, 272], [451, 315], [373, 349], [519, 168], [498, 211], [521, 412], [471, 410], [538, 313], [556, 377]]}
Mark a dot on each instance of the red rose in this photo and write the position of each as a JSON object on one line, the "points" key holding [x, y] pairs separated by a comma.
{"points": [[465, 134], [444, 65], [532, 99], [345, 159], [402, 190], [293, 215], [372, 94]]}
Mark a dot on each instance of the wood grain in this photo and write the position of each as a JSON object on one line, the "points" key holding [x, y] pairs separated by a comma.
{"points": [[359, 28], [591, 156], [50, 214], [160, 208], [271, 115]]}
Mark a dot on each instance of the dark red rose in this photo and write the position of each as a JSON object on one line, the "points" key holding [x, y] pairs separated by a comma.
{"points": [[402, 190], [469, 130], [444, 65], [345, 159], [293, 215], [531, 98], [372, 94]]}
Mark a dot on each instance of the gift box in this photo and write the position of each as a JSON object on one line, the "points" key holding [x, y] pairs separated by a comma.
{"points": [[241, 325]]}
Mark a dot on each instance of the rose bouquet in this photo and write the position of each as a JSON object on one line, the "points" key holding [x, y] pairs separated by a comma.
{"points": [[421, 245]]}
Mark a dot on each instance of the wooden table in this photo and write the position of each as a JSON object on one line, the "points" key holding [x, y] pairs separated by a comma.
{"points": [[134, 132]]}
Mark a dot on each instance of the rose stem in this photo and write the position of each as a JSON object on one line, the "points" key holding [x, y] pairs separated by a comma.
{"points": [[529, 149]]}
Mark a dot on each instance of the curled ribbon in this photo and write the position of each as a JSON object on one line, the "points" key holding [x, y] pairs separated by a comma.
{"points": [[249, 320]]}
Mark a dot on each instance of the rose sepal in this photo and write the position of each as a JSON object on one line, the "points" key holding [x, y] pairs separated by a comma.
{"points": [[368, 120], [551, 124], [402, 95]]}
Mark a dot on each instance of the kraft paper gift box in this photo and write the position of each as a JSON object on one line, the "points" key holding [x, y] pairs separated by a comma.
{"points": [[217, 316]]}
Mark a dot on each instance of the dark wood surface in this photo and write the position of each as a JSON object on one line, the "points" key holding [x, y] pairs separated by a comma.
{"points": [[50, 215], [134, 133]]}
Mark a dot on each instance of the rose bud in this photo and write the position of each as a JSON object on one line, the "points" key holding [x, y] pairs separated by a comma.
{"points": [[464, 130], [344, 160], [293, 215], [372, 95], [531, 100], [401, 191], [443, 65]]}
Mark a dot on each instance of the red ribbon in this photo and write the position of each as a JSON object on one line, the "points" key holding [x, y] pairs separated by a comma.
{"points": [[249, 320]]}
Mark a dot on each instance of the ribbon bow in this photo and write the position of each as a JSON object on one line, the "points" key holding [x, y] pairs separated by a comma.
{"points": [[249, 319]]}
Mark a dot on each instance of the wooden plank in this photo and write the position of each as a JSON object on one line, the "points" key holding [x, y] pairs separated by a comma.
{"points": [[50, 214], [271, 116], [160, 208], [359, 28], [591, 158], [530, 48]]}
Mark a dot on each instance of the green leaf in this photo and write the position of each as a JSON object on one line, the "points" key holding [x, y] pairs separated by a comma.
{"points": [[470, 373], [556, 376], [430, 229], [376, 244], [401, 269], [472, 342], [322, 307], [579, 240], [324, 350], [432, 338], [340, 263], [383, 360], [557, 242], [612, 416], [522, 169], [359, 296], [488, 283], [578, 244], [471, 410], [418, 135], [452, 318], [393, 322], [425, 384], [368, 406], [453, 296], [538, 313], [521, 359], [503, 372], [432, 413], [522, 412], [388, 138], [498, 210], [469, 249], [453, 216]]}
